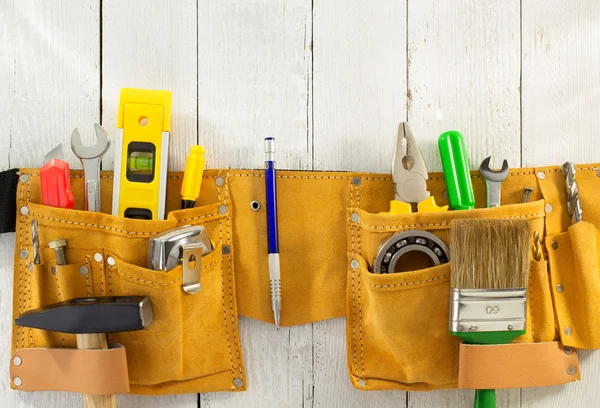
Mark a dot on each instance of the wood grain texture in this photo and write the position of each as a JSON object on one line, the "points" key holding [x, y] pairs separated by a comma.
{"points": [[54, 76], [253, 67], [561, 82], [331, 81], [151, 46], [464, 74], [359, 83]]}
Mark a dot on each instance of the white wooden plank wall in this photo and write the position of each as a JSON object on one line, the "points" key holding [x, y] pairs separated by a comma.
{"points": [[330, 79]]}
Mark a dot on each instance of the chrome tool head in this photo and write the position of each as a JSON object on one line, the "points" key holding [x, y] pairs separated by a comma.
{"points": [[90, 152], [493, 175], [56, 153], [408, 168]]}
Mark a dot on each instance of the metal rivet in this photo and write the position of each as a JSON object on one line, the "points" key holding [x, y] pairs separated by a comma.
{"points": [[510, 327], [24, 210], [225, 250], [98, 257], [220, 181], [356, 181], [84, 270], [568, 331], [222, 209], [554, 245], [559, 288], [53, 270], [548, 208], [17, 381], [24, 254], [17, 361], [362, 383], [541, 175], [254, 205], [23, 178], [238, 382], [354, 264], [355, 217], [30, 267], [111, 261], [571, 370], [568, 350]]}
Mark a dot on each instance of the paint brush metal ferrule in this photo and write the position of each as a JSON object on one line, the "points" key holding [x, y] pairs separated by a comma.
{"points": [[485, 310]]}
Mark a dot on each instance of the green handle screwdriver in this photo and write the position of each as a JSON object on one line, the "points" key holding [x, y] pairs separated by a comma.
{"points": [[456, 171]]}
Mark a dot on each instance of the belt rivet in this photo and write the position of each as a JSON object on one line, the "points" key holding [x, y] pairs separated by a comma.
{"points": [[541, 175], [111, 261], [571, 370], [23, 178], [24, 254], [354, 264], [568, 350], [559, 288], [238, 382], [24, 210], [220, 181], [362, 383], [548, 208], [84, 270], [356, 181], [17, 361], [568, 331], [98, 257], [355, 217], [17, 381]]}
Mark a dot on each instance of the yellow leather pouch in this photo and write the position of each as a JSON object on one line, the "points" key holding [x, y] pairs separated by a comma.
{"points": [[330, 230]]}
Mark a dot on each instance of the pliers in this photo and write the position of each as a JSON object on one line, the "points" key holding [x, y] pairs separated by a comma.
{"points": [[410, 176]]}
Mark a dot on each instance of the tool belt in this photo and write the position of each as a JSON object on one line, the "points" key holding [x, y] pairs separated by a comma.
{"points": [[330, 228]]}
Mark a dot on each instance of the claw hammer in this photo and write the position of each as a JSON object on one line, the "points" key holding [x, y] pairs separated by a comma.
{"points": [[90, 319]]}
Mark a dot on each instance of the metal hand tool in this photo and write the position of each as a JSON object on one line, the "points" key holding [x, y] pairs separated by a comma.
{"points": [[493, 181], [272, 229], [90, 319], [391, 250], [182, 246], [573, 202], [528, 191], [91, 158], [35, 238], [409, 173], [59, 245]]}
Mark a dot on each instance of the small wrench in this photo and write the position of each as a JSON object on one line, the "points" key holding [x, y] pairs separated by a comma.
{"points": [[493, 181], [91, 157]]}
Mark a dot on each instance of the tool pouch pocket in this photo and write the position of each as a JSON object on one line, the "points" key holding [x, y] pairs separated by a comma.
{"points": [[574, 258], [397, 324], [192, 344]]}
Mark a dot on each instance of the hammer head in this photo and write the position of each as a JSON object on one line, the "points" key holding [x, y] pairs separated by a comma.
{"points": [[91, 315]]}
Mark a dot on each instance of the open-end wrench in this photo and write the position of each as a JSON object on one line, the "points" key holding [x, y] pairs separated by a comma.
{"points": [[493, 181], [91, 157]]}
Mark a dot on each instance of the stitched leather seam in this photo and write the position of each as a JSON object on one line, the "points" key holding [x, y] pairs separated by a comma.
{"points": [[444, 224], [87, 277], [84, 224], [531, 304], [200, 216], [223, 286], [395, 285], [359, 275], [154, 283], [352, 274], [60, 299], [229, 275], [20, 268]]}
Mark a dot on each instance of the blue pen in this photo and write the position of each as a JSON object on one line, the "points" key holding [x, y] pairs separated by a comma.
{"points": [[274, 269]]}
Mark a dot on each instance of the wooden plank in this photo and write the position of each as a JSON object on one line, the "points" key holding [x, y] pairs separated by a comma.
{"points": [[279, 368], [463, 74], [332, 385], [561, 78], [561, 71], [253, 68], [55, 76], [359, 83], [254, 76], [50, 83], [151, 47]]}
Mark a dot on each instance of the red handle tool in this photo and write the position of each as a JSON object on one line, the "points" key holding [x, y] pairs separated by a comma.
{"points": [[56, 184]]}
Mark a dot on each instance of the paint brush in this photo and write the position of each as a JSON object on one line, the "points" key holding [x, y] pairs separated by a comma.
{"points": [[489, 277]]}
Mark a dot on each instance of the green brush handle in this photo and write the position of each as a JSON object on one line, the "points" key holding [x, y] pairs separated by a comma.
{"points": [[456, 171], [485, 399]]}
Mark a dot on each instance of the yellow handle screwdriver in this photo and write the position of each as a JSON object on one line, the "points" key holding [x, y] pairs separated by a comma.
{"points": [[192, 177]]}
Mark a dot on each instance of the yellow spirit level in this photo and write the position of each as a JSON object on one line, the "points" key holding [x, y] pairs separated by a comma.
{"points": [[141, 154]]}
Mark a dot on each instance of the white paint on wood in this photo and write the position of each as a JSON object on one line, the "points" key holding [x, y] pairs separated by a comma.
{"points": [[359, 85], [253, 81], [256, 77], [463, 74], [151, 46], [561, 82]]}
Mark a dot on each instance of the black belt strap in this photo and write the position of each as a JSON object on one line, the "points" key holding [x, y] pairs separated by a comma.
{"points": [[8, 199]]}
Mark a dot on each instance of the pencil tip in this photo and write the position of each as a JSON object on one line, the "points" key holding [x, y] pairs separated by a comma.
{"points": [[277, 315]]}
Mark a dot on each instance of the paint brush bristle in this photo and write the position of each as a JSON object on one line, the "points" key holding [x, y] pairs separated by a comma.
{"points": [[490, 254]]}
